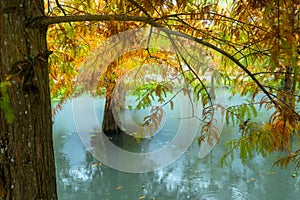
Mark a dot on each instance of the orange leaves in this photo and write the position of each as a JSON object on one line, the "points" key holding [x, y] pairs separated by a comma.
{"points": [[181, 3], [280, 133], [261, 35], [151, 124], [210, 133]]}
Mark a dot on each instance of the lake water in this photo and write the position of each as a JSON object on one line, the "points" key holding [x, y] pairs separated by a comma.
{"points": [[82, 177]]}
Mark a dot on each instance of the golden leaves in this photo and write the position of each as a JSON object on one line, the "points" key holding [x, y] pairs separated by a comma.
{"points": [[96, 165], [262, 35], [118, 188], [280, 134]]}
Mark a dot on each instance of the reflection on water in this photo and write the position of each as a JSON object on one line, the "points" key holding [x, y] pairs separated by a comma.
{"points": [[80, 176]]}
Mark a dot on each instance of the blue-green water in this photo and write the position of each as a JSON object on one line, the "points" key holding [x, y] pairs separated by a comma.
{"points": [[82, 177]]}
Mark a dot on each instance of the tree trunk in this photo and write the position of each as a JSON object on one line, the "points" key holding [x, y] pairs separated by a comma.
{"points": [[27, 169], [288, 88], [109, 124]]}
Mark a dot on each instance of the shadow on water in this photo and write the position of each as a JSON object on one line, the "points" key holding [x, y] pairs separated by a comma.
{"points": [[81, 176]]}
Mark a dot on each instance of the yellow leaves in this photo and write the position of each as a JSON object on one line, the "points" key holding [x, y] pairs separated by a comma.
{"points": [[248, 87], [297, 38], [271, 172], [118, 188], [271, 136], [255, 93], [8, 77], [57, 108], [274, 56], [201, 138], [158, 91], [96, 165], [252, 32], [181, 3], [249, 180], [199, 90], [265, 101]]}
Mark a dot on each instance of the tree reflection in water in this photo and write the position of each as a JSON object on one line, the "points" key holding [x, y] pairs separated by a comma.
{"points": [[81, 176]]}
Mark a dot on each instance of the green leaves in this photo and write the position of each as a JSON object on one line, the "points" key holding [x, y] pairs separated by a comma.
{"points": [[147, 93], [4, 102], [261, 37], [240, 113]]}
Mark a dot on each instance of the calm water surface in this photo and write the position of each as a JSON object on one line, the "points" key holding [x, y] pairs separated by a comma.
{"points": [[82, 177]]}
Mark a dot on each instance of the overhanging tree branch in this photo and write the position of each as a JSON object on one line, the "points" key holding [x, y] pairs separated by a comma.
{"points": [[45, 21], [229, 56]]}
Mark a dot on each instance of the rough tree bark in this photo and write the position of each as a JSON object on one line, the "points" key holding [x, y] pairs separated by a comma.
{"points": [[288, 88], [27, 169], [109, 125]]}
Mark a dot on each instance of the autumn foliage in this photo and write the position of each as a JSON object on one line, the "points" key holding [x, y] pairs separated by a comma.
{"points": [[254, 44]]}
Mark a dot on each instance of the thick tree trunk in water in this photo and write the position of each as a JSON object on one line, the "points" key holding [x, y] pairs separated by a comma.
{"points": [[109, 124], [27, 169]]}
